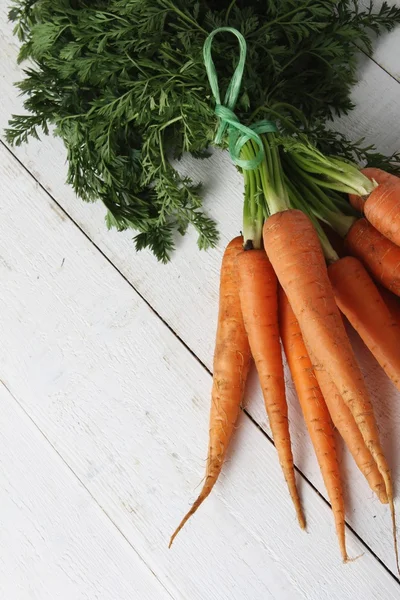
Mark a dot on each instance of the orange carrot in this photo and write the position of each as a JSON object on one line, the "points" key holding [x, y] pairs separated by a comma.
{"points": [[360, 301], [373, 174], [315, 413], [382, 209], [258, 291], [349, 431], [378, 254], [296, 255], [392, 302], [231, 365]]}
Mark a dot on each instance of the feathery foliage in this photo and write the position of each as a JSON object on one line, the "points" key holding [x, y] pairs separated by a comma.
{"points": [[122, 82]]}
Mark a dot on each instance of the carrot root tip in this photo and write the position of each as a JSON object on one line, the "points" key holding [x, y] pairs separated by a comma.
{"points": [[348, 559]]}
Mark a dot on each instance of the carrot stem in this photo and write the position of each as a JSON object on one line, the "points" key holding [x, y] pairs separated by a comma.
{"points": [[321, 205], [297, 201], [253, 214], [331, 172]]}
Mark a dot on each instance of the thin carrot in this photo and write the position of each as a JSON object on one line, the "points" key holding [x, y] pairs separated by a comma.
{"points": [[295, 252], [382, 209], [373, 174], [349, 431], [360, 301], [231, 365], [378, 254], [316, 414], [258, 290]]}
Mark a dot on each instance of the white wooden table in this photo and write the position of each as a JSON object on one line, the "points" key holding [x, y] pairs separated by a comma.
{"points": [[105, 361]]}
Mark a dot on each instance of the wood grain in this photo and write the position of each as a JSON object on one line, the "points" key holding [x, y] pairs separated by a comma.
{"points": [[56, 542], [184, 294], [126, 406], [386, 47]]}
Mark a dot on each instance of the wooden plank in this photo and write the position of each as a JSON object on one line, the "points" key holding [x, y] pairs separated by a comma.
{"points": [[192, 277], [126, 406], [56, 542], [185, 292], [386, 47], [377, 100]]}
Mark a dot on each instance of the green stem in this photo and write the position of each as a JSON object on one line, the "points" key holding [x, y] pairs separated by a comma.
{"points": [[286, 16], [296, 201], [228, 12], [183, 16], [274, 188], [336, 173], [253, 217], [320, 204], [339, 222], [265, 189], [342, 204], [272, 112]]}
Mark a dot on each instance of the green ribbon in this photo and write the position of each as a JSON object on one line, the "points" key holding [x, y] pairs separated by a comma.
{"points": [[238, 134]]}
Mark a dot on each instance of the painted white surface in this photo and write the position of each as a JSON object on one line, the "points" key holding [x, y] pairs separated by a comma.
{"points": [[126, 407], [56, 542], [387, 46], [117, 395]]}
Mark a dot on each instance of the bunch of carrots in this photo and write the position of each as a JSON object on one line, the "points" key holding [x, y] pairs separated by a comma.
{"points": [[283, 282]]}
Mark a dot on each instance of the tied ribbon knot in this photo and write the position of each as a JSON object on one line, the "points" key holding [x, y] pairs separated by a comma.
{"points": [[238, 134]]}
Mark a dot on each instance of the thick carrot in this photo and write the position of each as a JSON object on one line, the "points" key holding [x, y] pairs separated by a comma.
{"points": [[315, 413], [377, 175], [378, 254], [382, 209], [231, 365], [295, 252], [349, 431], [360, 301], [258, 290]]}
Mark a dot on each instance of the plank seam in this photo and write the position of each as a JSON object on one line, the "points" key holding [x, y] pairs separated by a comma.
{"points": [[371, 57], [85, 487], [301, 474]]}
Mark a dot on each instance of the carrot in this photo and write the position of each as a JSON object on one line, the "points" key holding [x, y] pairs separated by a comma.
{"points": [[382, 209], [360, 301], [315, 413], [392, 302], [335, 239], [295, 252], [378, 254], [373, 174], [258, 291], [349, 431], [231, 365], [348, 428]]}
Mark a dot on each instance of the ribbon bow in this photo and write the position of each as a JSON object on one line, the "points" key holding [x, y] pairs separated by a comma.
{"points": [[238, 133]]}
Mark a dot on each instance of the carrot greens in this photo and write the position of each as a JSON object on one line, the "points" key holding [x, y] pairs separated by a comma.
{"points": [[123, 84]]}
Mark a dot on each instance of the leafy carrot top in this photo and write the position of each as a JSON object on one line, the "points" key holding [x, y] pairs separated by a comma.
{"points": [[123, 84]]}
